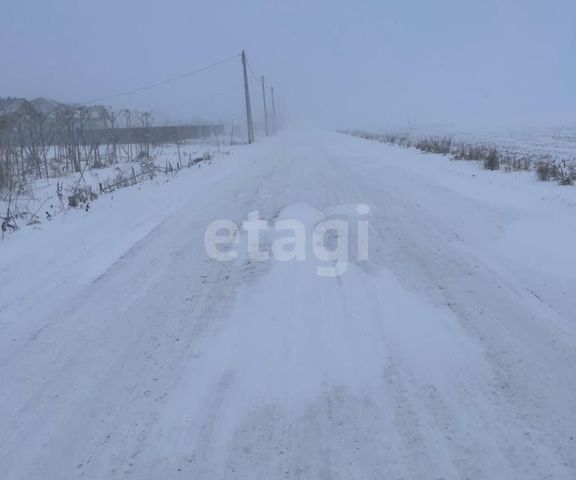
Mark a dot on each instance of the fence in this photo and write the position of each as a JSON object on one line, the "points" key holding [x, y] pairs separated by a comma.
{"points": [[155, 135]]}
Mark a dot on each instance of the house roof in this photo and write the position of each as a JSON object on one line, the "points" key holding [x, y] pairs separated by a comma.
{"points": [[9, 106]]}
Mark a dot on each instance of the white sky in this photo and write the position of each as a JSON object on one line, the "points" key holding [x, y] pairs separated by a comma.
{"points": [[335, 63]]}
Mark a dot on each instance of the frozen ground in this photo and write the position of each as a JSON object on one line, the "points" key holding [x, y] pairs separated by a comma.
{"points": [[125, 352]]}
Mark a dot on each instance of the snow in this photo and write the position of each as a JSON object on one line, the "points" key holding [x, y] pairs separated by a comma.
{"points": [[554, 142], [41, 202], [126, 352]]}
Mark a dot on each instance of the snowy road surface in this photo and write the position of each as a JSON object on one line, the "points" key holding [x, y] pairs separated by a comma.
{"points": [[125, 352]]}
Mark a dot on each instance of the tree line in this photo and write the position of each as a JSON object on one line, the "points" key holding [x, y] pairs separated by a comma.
{"points": [[40, 145]]}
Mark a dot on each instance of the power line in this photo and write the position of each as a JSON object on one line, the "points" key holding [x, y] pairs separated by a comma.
{"points": [[164, 82]]}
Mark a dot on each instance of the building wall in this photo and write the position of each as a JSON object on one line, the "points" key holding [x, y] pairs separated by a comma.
{"points": [[170, 134]]}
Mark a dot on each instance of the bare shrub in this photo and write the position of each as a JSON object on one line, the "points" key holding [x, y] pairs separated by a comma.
{"points": [[440, 145], [546, 171], [81, 196], [566, 173], [492, 160]]}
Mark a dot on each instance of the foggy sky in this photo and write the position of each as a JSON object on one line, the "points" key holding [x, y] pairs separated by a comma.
{"points": [[335, 63]]}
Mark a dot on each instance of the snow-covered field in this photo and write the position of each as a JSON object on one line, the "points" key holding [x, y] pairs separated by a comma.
{"points": [[558, 143], [126, 352]]}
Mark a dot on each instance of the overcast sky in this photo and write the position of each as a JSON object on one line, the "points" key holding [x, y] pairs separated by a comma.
{"points": [[336, 63]]}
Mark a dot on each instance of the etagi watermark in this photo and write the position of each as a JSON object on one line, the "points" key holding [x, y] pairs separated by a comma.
{"points": [[333, 242]]}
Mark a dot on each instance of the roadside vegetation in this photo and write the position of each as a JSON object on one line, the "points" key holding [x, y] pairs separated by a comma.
{"points": [[546, 167], [49, 164]]}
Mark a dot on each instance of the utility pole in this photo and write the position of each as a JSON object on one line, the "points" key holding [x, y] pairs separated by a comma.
{"points": [[249, 124], [265, 108], [275, 119]]}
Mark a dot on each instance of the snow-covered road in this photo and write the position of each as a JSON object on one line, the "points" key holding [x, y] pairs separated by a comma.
{"points": [[126, 352]]}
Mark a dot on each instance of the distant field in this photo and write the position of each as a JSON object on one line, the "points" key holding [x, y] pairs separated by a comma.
{"points": [[549, 152], [559, 143]]}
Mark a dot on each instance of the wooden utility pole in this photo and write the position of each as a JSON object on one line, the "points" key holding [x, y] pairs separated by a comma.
{"points": [[274, 117], [249, 124], [265, 108]]}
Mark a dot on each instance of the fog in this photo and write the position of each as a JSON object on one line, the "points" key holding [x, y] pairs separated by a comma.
{"points": [[334, 63]]}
